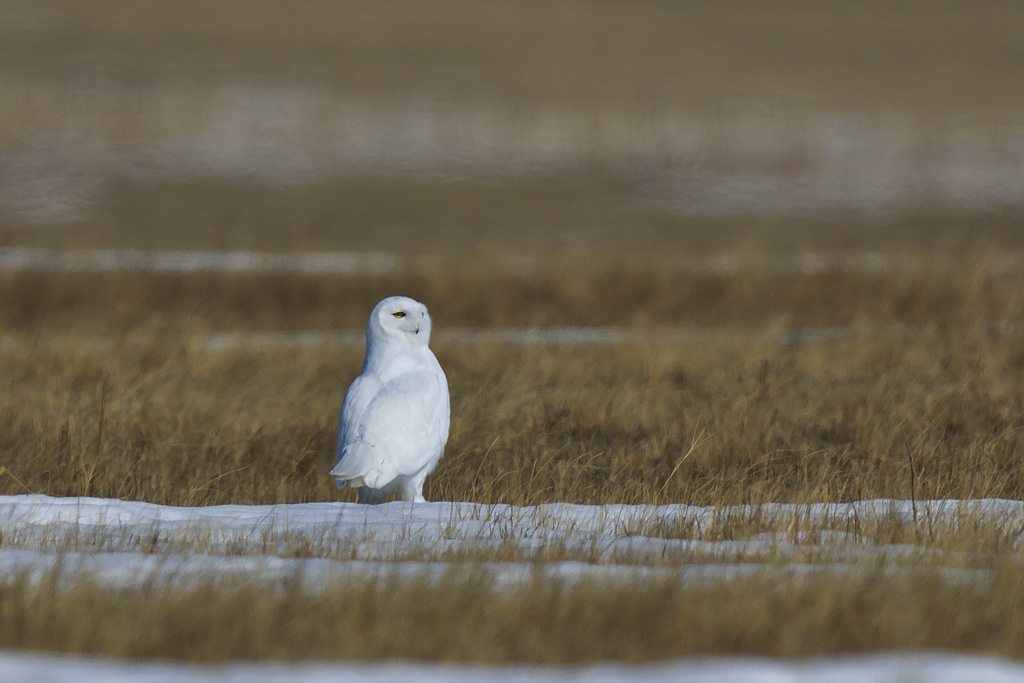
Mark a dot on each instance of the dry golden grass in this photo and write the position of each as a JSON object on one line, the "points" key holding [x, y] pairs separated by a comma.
{"points": [[462, 618], [111, 392], [957, 286]]}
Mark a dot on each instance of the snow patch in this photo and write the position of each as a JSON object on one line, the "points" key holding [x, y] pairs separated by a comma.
{"points": [[885, 668]]}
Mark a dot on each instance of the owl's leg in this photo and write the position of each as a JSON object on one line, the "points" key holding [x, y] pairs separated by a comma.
{"points": [[412, 487], [368, 496]]}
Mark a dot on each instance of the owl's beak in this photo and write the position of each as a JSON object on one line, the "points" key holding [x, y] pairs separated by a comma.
{"points": [[417, 329]]}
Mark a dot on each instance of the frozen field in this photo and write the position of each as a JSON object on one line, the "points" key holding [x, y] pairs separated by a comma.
{"points": [[127, 542], [125, 545]]}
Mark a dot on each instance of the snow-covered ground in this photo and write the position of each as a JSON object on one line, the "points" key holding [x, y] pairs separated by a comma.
{"points": [[904, 668], [126, 543]]}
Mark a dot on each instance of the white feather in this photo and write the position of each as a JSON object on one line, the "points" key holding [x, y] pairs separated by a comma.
{"points": [[394, 420]]}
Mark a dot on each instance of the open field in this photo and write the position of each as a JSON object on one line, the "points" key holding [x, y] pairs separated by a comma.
{"points": [[492, 584], [118, 385], [750, 380], [546, 620], [730, 297]]}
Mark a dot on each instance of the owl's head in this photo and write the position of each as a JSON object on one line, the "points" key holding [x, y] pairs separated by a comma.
{"points": [[399, 319]]}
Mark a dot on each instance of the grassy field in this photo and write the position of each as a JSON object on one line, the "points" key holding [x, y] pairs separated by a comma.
{"points": [[651, 167], [461, 619], [113, 390]]}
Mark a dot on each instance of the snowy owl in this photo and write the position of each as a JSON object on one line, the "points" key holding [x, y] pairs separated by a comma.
{"points": [[394, 420]]}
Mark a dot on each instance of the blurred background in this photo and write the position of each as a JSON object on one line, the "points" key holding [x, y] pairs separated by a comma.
{"points": [[424, 126]]}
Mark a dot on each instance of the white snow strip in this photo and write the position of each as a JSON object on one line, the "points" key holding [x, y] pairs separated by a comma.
{"points": [[924, 667], [135, 260], [125, 570], [20, 258], [44, 516], [220, 342], [441, 520], [571, 336], [430, 530], [134, 570]]}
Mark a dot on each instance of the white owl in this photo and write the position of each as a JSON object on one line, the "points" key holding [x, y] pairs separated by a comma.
{"points": [[394, 421]]}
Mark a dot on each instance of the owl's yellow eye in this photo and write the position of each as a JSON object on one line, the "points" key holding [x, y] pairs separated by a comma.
{"points": [[399, 314]]}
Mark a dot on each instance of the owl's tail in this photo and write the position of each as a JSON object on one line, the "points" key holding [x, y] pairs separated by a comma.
{"points": [[357, 466]]}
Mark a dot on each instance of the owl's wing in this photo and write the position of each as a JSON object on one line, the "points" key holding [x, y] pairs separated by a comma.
{"points": [[357, 401]]}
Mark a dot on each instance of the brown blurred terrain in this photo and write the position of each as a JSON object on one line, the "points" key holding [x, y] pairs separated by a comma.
{"points": [[405, 125], [926, 57]]}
